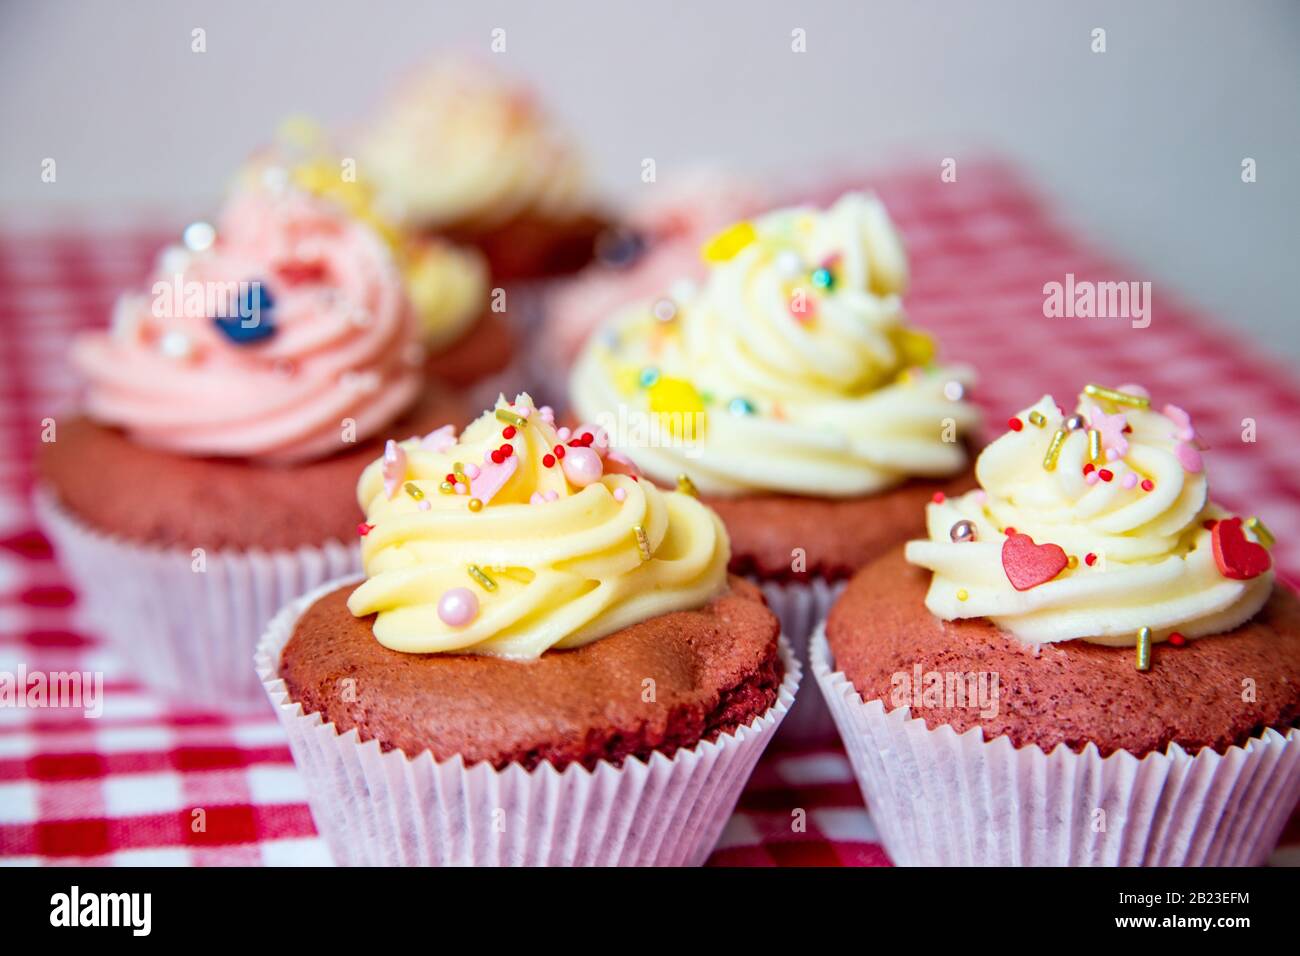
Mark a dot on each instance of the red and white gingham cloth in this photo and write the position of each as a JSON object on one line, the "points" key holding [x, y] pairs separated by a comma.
{"points": [[124, 788]]}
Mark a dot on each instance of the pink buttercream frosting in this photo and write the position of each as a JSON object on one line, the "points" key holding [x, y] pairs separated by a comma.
{"points": [[339, 362]]}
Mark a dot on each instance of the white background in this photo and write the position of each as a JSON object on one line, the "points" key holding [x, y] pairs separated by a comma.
{"points": [[1141, 146]]}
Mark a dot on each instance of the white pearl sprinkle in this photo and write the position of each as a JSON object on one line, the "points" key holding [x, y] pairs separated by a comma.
{"points": [[788, 264], [175, 345], [199, 236]]}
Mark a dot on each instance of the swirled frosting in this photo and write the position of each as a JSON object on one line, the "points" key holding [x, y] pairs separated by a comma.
{"points": [[1128, 506], [459, 145], [471, 548], [792, 370], [287, 334]]}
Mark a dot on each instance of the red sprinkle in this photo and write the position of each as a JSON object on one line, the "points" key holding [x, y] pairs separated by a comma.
{"points": [[1147, 484], [1089, 559], [1106, 474], [451, 478], [938, 498], [1089, 468], [507, 450], [559, 451], [1009, 531], [1015, 424], [364, 529], [497, 457], [508, 431], [1177, 640], [548, 461]]}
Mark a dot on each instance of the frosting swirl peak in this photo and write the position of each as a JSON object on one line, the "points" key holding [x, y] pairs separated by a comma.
{"points": [[1094, 526], [518, 536]]}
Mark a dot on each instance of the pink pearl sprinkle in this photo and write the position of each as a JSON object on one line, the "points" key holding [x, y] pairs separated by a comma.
{"points": [[981, 496], [536, 498], [523, 411], [471, 471], [563, 434], [552, 496], [1092, 478], [582, 466], [620, 494], [460, 488], [457, 607], [424, 505], [1130, 480]]}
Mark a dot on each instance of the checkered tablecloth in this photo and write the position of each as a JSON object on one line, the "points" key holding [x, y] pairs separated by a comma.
{"points": [[123, 788]]}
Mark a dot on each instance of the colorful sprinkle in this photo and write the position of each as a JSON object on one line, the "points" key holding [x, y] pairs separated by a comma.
{"points": [[1261, 532], [481, 576], [642, 542], [1089, 559], [510, 418], [648, 377], [548, 461], [939, 498], [1117, 397], [620, 494], [1094, 445], [1148, 484], [665, 310], [686, 486], [823, 278], [509, 432], [1037, 418], [963, 532], [364, 529], [1106, 474], [954, 391], [741, 406], [1177, 640], [582, 467], [729, 242], [962, 594], [1129, 480], [457, 607], [1144, 649], [475, 505], [1015, 424], [413, 490], [447, 488], [1075, 423], [1054, 449]]}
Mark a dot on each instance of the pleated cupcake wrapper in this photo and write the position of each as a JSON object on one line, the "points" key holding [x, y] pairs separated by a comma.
{"points": [[801, 606], [942, 798], [382, 808], [187, 633]]}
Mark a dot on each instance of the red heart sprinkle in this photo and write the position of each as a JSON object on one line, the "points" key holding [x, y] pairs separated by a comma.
{"points": [[1237, 556], [1028, 565]]}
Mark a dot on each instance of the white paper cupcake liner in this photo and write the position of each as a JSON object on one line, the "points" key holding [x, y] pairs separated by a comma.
{"points": [[939, 798], [377, 808], [801, 606], [186, 633]]}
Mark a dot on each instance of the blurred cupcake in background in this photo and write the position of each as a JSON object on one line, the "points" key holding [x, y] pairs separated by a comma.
{"points": [[470, 336], [656, 250], [791, 392], [461, 151], [546, 663], [207, 478]]}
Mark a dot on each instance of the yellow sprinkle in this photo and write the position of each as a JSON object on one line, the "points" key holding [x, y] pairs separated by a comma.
{"points": [[1262, 533], [1119, 398], [1094, 445], [446, 487], [1054, 449], [1144, 649], [963, 594], [458, 467], [1037, 418], [914, 348], [481, 576], [475, 505], [414, 491], [642, 542], [1073, 562], [511, 418], [686, 486], [730, 241]]}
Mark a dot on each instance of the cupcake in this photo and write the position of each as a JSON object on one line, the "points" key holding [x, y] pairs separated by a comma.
{"points": [[546, 662], [790, 391], [655, 251], [468, 333], [1085, 662], [208, 476], [461, 151]]}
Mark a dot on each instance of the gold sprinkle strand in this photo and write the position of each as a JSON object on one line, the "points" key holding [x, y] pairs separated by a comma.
{"points": [[414, 491], [481, 576], [511, 418], [1037, 418], [1262, 533], [686, 486], [1144, 649], [1119, 398], [446, 487], [1094, 445], [1054, 449], [642, 542]]}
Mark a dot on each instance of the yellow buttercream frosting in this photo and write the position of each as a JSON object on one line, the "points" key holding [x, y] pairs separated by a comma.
{"points": [[791, 369], [553, 552]]}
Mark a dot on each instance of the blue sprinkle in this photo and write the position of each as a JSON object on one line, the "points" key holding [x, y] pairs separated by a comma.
{"points": [[741, 406], [822, 278], [254, 322], [649, 376]]}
